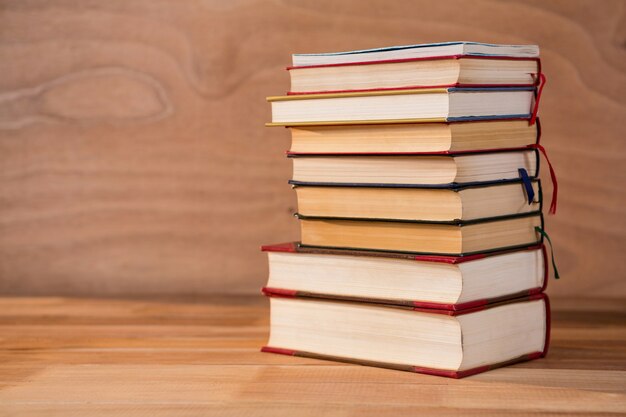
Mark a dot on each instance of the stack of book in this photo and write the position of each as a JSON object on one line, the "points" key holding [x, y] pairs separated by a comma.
{"points": [[420, 209]]}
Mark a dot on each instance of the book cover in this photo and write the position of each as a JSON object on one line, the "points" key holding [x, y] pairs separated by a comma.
{"points": [[296, 247], [434, 371], [457, 57], [530, 115], [452, 186]]}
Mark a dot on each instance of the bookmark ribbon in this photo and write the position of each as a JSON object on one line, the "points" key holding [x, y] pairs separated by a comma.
{"points": [[528, 186], [541, 83], [544, 234], [555, 184]]}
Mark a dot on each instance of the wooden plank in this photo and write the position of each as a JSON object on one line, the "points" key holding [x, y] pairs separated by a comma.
{"points": [[133, 157]]}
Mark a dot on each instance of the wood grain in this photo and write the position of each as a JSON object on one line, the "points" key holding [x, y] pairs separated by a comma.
{"points": [[61, 357], [133, 157]]}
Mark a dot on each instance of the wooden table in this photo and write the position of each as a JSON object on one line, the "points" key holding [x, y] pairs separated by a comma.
{"points": [[65, 357]]}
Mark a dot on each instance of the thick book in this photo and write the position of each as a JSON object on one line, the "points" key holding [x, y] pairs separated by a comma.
{"points": [[442, 282], [417, 105], [428, 50], [437, 342], [444, 170], [439, 238], [420, 204], [405, 138], [451, 71]]}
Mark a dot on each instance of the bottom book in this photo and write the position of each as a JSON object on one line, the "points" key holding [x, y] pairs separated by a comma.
{"points": [[446, 343]]}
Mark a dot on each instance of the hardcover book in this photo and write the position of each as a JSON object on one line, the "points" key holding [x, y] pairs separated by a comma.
{"points": [[444, 171], [429, 50], [437, 342], [420, 204], [443, 282], [418, 105], [453, 238], [452, 71], [414, 137]]}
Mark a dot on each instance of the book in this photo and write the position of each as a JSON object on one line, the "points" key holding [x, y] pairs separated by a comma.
{"points": [[417, 51], [419, 204], [454, 71], [427, 170], [452, 282], [425, 105], [437, 342], [413, 137], [454, 238]]}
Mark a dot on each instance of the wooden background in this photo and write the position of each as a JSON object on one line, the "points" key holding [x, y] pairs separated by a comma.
{"points": [[133, 157]]}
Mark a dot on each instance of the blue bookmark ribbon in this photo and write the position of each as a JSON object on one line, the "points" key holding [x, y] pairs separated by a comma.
{"points": [[528, 185]]}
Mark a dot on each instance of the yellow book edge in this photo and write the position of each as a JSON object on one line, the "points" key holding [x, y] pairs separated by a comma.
{"points": [[358, 94], [358, 122]]}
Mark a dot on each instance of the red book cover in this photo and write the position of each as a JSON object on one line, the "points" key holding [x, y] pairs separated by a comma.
{"points": [[294, 247], [420, 59], [435, 371]]}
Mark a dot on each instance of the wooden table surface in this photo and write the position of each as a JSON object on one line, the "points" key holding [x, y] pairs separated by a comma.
{"points": [[66, 357]]}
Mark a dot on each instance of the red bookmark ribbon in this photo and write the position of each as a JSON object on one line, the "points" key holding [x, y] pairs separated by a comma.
{"points": [[541, 83]]}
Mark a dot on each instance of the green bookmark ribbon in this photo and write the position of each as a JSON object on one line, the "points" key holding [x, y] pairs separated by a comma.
{"points": [[544, 234]]}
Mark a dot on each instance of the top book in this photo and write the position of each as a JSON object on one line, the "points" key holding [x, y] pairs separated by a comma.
{"points": [[427, 50]]}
